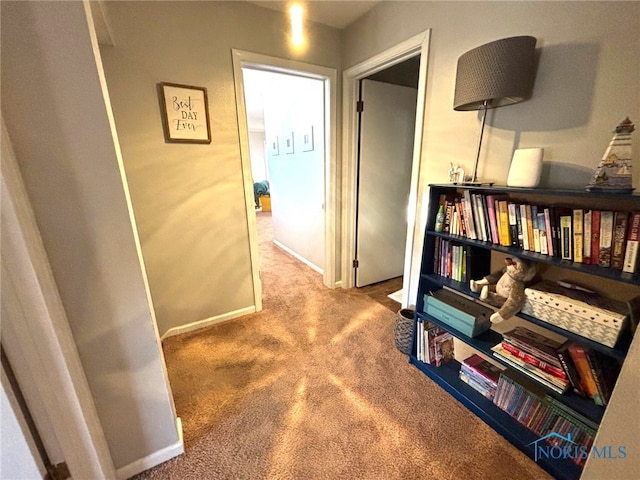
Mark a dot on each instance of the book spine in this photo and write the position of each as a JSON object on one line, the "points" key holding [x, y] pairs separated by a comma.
{"points": [[491, 210], [536, 228], [503, 213], [547, 222], [529, 227], [596, 373], [525, 230], [513, 224], [520, 231], [485, 214], [619, 240], [570, 370], [542, 227], [578, 225], [586, 237], [579, 357], [633, 243], [566, 237], [479, 215], [595, 237], [468, 213], [606, 238]]}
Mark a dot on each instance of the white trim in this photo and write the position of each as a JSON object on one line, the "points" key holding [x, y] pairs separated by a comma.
{"points": [[298, 257], [44, 334], [156, 458], [329, 77], [416, 45], [189, 327]]}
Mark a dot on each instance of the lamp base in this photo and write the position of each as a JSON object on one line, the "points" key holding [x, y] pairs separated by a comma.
{"points": [[474, 184]]}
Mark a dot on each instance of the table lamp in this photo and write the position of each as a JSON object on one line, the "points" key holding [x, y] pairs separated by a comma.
{"points": [[494, 75]]}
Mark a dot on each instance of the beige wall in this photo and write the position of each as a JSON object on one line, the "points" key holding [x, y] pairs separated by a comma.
{"points": [[189, 199], [56, 116], [587, 82]]}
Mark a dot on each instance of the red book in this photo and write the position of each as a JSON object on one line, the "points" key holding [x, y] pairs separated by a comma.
{"points": [[595, 236], [579, 356], [633, 240], [534, 361]]}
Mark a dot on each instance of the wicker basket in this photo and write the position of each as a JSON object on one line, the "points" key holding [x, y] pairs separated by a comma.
{"points": [[403, 330]]}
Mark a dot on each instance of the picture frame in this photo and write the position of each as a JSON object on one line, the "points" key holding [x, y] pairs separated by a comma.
{"points": [[185, 112], [288, 143], [307, 139], [274, 146]]}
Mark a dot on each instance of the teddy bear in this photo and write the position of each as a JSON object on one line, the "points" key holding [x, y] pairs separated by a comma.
{"points": [[505, 288]]}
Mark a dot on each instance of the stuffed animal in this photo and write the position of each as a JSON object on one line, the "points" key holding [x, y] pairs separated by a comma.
{"points": [[505, 288]]}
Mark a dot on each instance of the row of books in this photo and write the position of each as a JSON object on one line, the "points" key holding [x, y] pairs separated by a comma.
{"points": [[528, 404], [550, 419], [599, 237], [450, 259], [433, 344], [558, 364]]}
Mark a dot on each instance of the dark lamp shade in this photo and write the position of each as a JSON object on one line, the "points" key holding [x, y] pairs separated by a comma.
{"points": [[500, 73]]}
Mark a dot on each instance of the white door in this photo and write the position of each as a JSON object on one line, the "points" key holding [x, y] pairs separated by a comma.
{"points": [[387, 128]]}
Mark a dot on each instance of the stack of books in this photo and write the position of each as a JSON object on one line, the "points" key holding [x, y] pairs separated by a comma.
{"points": [[535, 355], [481, 375]]}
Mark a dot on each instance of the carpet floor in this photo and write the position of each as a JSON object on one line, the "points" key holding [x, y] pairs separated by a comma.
{"points": [[313, 387]]}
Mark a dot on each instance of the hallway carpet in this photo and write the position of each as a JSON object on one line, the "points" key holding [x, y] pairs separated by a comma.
{"points": [[313, 387]]}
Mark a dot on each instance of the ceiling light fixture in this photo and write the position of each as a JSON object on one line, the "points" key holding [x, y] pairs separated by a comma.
{"points": [[296, 25]]}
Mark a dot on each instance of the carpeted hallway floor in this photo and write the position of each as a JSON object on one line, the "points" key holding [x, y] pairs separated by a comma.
{"points": [[313, 387]]}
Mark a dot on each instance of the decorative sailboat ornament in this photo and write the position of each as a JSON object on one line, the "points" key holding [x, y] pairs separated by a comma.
{"points": [[613, 173]]}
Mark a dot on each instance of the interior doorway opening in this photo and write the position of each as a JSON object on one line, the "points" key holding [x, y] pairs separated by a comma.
{"points": [[416, 46], [303, 147]]}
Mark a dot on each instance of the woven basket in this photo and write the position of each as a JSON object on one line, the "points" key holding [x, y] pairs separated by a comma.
{"points": [[403, 330]]}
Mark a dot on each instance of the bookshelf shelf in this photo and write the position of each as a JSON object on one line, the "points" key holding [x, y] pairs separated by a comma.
{"points": [[609, 273], [488, 339], [447, 377], [476, 256], [619, 352]]}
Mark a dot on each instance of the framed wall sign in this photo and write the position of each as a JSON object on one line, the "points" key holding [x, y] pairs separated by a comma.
{"points": [[185, 111]]}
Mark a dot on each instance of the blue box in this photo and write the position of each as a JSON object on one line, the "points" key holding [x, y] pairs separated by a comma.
{"points": [[464, 315]]}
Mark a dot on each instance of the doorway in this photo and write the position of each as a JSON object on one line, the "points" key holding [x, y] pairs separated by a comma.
{"points": [[286, 112], [285, 144], [415, 46]]}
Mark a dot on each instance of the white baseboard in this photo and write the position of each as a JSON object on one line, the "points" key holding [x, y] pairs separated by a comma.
{"points": [[299, 257], [338, 284], [189, 327], [156, 458]]}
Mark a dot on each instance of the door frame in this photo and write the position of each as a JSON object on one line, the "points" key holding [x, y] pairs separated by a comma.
{"points": [[243, 59], [416, 45], [45, 336]]}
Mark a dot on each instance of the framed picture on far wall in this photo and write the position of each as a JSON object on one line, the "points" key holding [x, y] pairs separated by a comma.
{"points": [[288, 143], [274, 146], [307, 139]]}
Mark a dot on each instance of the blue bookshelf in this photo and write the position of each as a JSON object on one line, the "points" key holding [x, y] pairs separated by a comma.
{"points": [[478, 259]]}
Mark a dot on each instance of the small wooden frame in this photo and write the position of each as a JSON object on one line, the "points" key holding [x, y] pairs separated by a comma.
{"points": [[185, 112]]}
